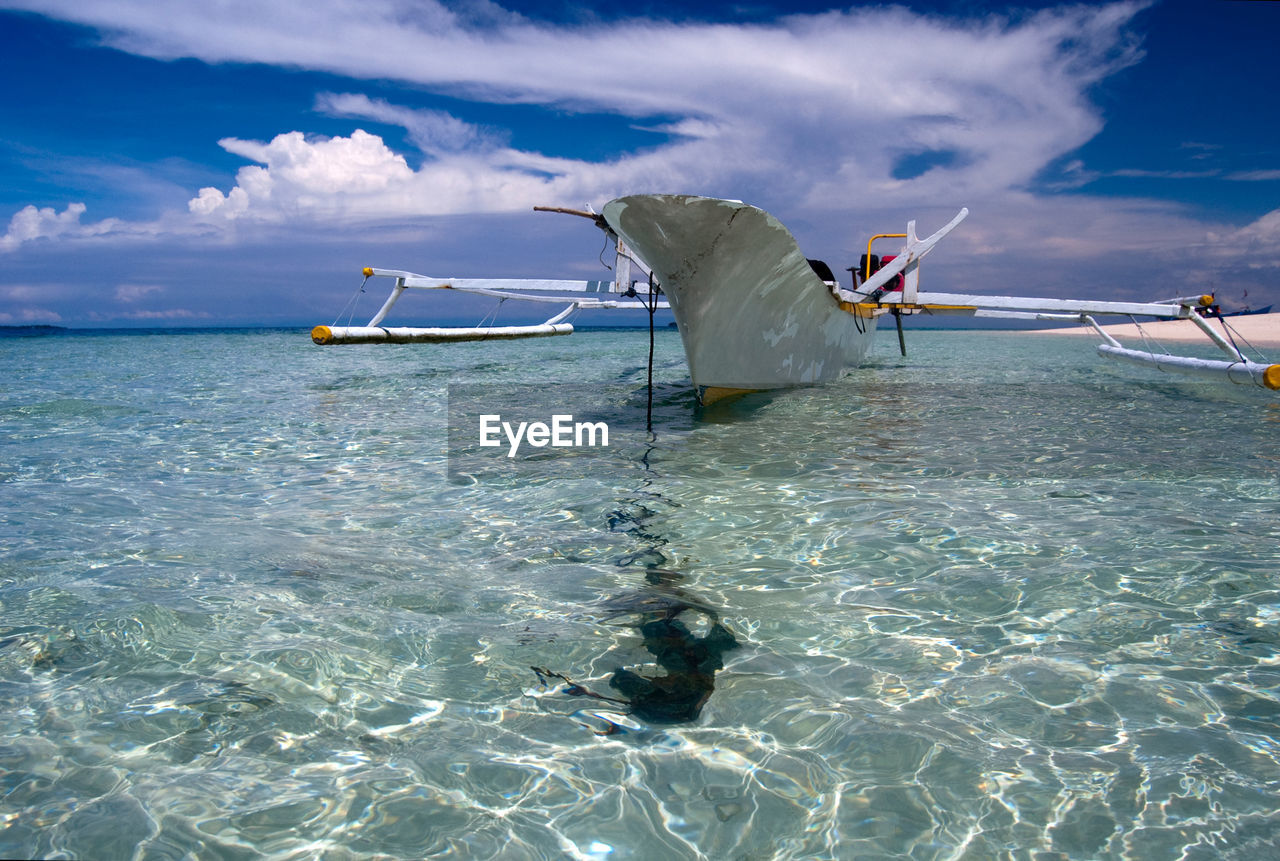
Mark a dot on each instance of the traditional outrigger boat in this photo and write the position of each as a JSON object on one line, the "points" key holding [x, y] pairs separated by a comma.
{"points": [[755, 314]]}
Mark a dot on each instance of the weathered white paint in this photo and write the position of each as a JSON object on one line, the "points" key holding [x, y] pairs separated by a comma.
{"points": [[751, 312]]}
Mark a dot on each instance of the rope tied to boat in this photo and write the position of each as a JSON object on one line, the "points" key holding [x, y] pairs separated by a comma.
{"points": [[651, 306], [1148, 341], [492, 316], [1232, 334], [353, 301]]}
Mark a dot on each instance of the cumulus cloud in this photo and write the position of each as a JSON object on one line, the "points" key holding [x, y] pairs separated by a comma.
{"points": [[30, 223], [349, 179], [309, 178]]}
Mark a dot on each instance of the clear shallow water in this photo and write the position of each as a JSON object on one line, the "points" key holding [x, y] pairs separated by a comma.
{"points": [[982, 610]]}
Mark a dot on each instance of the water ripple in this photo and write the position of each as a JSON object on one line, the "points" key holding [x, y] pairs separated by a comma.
{"points": [[247, 614]]}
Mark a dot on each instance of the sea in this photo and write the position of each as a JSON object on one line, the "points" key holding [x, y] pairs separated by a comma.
{"points": [[1001, 598]]}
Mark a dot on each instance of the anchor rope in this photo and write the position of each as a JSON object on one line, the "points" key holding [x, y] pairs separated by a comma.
{"points": [[857, 321], [652, 306]]}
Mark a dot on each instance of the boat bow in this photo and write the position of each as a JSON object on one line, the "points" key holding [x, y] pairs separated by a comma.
{"points": [[751, 311]]}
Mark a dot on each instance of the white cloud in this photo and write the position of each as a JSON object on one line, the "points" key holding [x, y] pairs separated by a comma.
{"points": [[874, 111], [1255, 175], [433, 132], [315, 179], [163, 314], [342, 180], [1265, 232], [130, 293], [30, 223], [29, 316], [27, 303], [837, 98], [1142, 173]]}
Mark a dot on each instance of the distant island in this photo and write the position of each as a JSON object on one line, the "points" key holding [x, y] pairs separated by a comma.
{"points": [[30, 331]]}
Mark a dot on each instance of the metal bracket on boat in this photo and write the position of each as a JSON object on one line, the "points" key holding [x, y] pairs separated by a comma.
{"points": [[1236, 369]]}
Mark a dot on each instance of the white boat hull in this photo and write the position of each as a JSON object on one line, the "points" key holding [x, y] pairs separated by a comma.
{"points": [[751, 312]]}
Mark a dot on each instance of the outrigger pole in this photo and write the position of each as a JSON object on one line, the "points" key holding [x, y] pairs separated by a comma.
{"points": [[501, 289], [1236, 369], [875, 298], [373, 331], [893, 288]]}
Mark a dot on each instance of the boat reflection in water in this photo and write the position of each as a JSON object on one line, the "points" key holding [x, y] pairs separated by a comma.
{"points": [[689, 660]]}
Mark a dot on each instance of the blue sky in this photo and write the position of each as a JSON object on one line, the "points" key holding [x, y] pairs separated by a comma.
{"points": [[238, 163]]}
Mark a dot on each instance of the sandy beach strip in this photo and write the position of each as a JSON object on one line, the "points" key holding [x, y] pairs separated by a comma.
{"points": [[1261, 330]]}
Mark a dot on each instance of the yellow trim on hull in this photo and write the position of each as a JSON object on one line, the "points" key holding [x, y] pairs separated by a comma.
{"points": [[710, 394]]}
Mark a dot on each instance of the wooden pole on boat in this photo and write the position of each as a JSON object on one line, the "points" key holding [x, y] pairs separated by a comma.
{"points": [[581, 213]]}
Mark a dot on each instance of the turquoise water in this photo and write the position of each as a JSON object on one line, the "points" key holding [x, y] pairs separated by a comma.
{"points": [[1001, 599]]}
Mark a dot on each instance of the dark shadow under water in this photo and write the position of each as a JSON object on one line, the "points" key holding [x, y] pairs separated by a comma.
{"points": [[682, 632], [689, 661]]}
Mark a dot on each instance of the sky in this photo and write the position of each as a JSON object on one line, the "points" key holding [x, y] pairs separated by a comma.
{"points": [[238, 162]]}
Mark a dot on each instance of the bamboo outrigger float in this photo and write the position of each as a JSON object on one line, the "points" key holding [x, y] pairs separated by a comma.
{"points": [[754, 314]]}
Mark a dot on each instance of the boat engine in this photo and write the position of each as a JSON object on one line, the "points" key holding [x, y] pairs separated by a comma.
{"points": [[868, 265]]}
